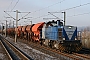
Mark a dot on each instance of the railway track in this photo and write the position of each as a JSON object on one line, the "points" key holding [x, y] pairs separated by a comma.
{"points": [[83, 57], [84, 51], [58, 54], [14, 52], [4, 55], [53, 52]]}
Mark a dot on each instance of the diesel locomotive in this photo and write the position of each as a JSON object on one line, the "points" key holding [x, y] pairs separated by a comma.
{"points": [[64, 38]]}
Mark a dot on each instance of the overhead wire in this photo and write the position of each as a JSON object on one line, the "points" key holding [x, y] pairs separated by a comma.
{"points": [[7, 9], [52, 5], [79, 14], [75, 7], [25, 15], [49, 6], [39, 9], [9, 5], [41, 16], [65, 9], [45, 8], [15, 5]]}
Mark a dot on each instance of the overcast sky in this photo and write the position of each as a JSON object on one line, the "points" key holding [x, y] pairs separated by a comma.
{"points": [[79, 16]]}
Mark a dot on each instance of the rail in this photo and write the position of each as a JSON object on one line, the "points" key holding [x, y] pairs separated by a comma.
{"points": [[14, 52]]}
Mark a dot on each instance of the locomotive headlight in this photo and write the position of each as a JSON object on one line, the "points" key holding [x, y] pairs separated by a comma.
{"points": [[69, 27]]}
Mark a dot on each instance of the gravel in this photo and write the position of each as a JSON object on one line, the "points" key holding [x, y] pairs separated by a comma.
{"points": [[33, 53]]}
